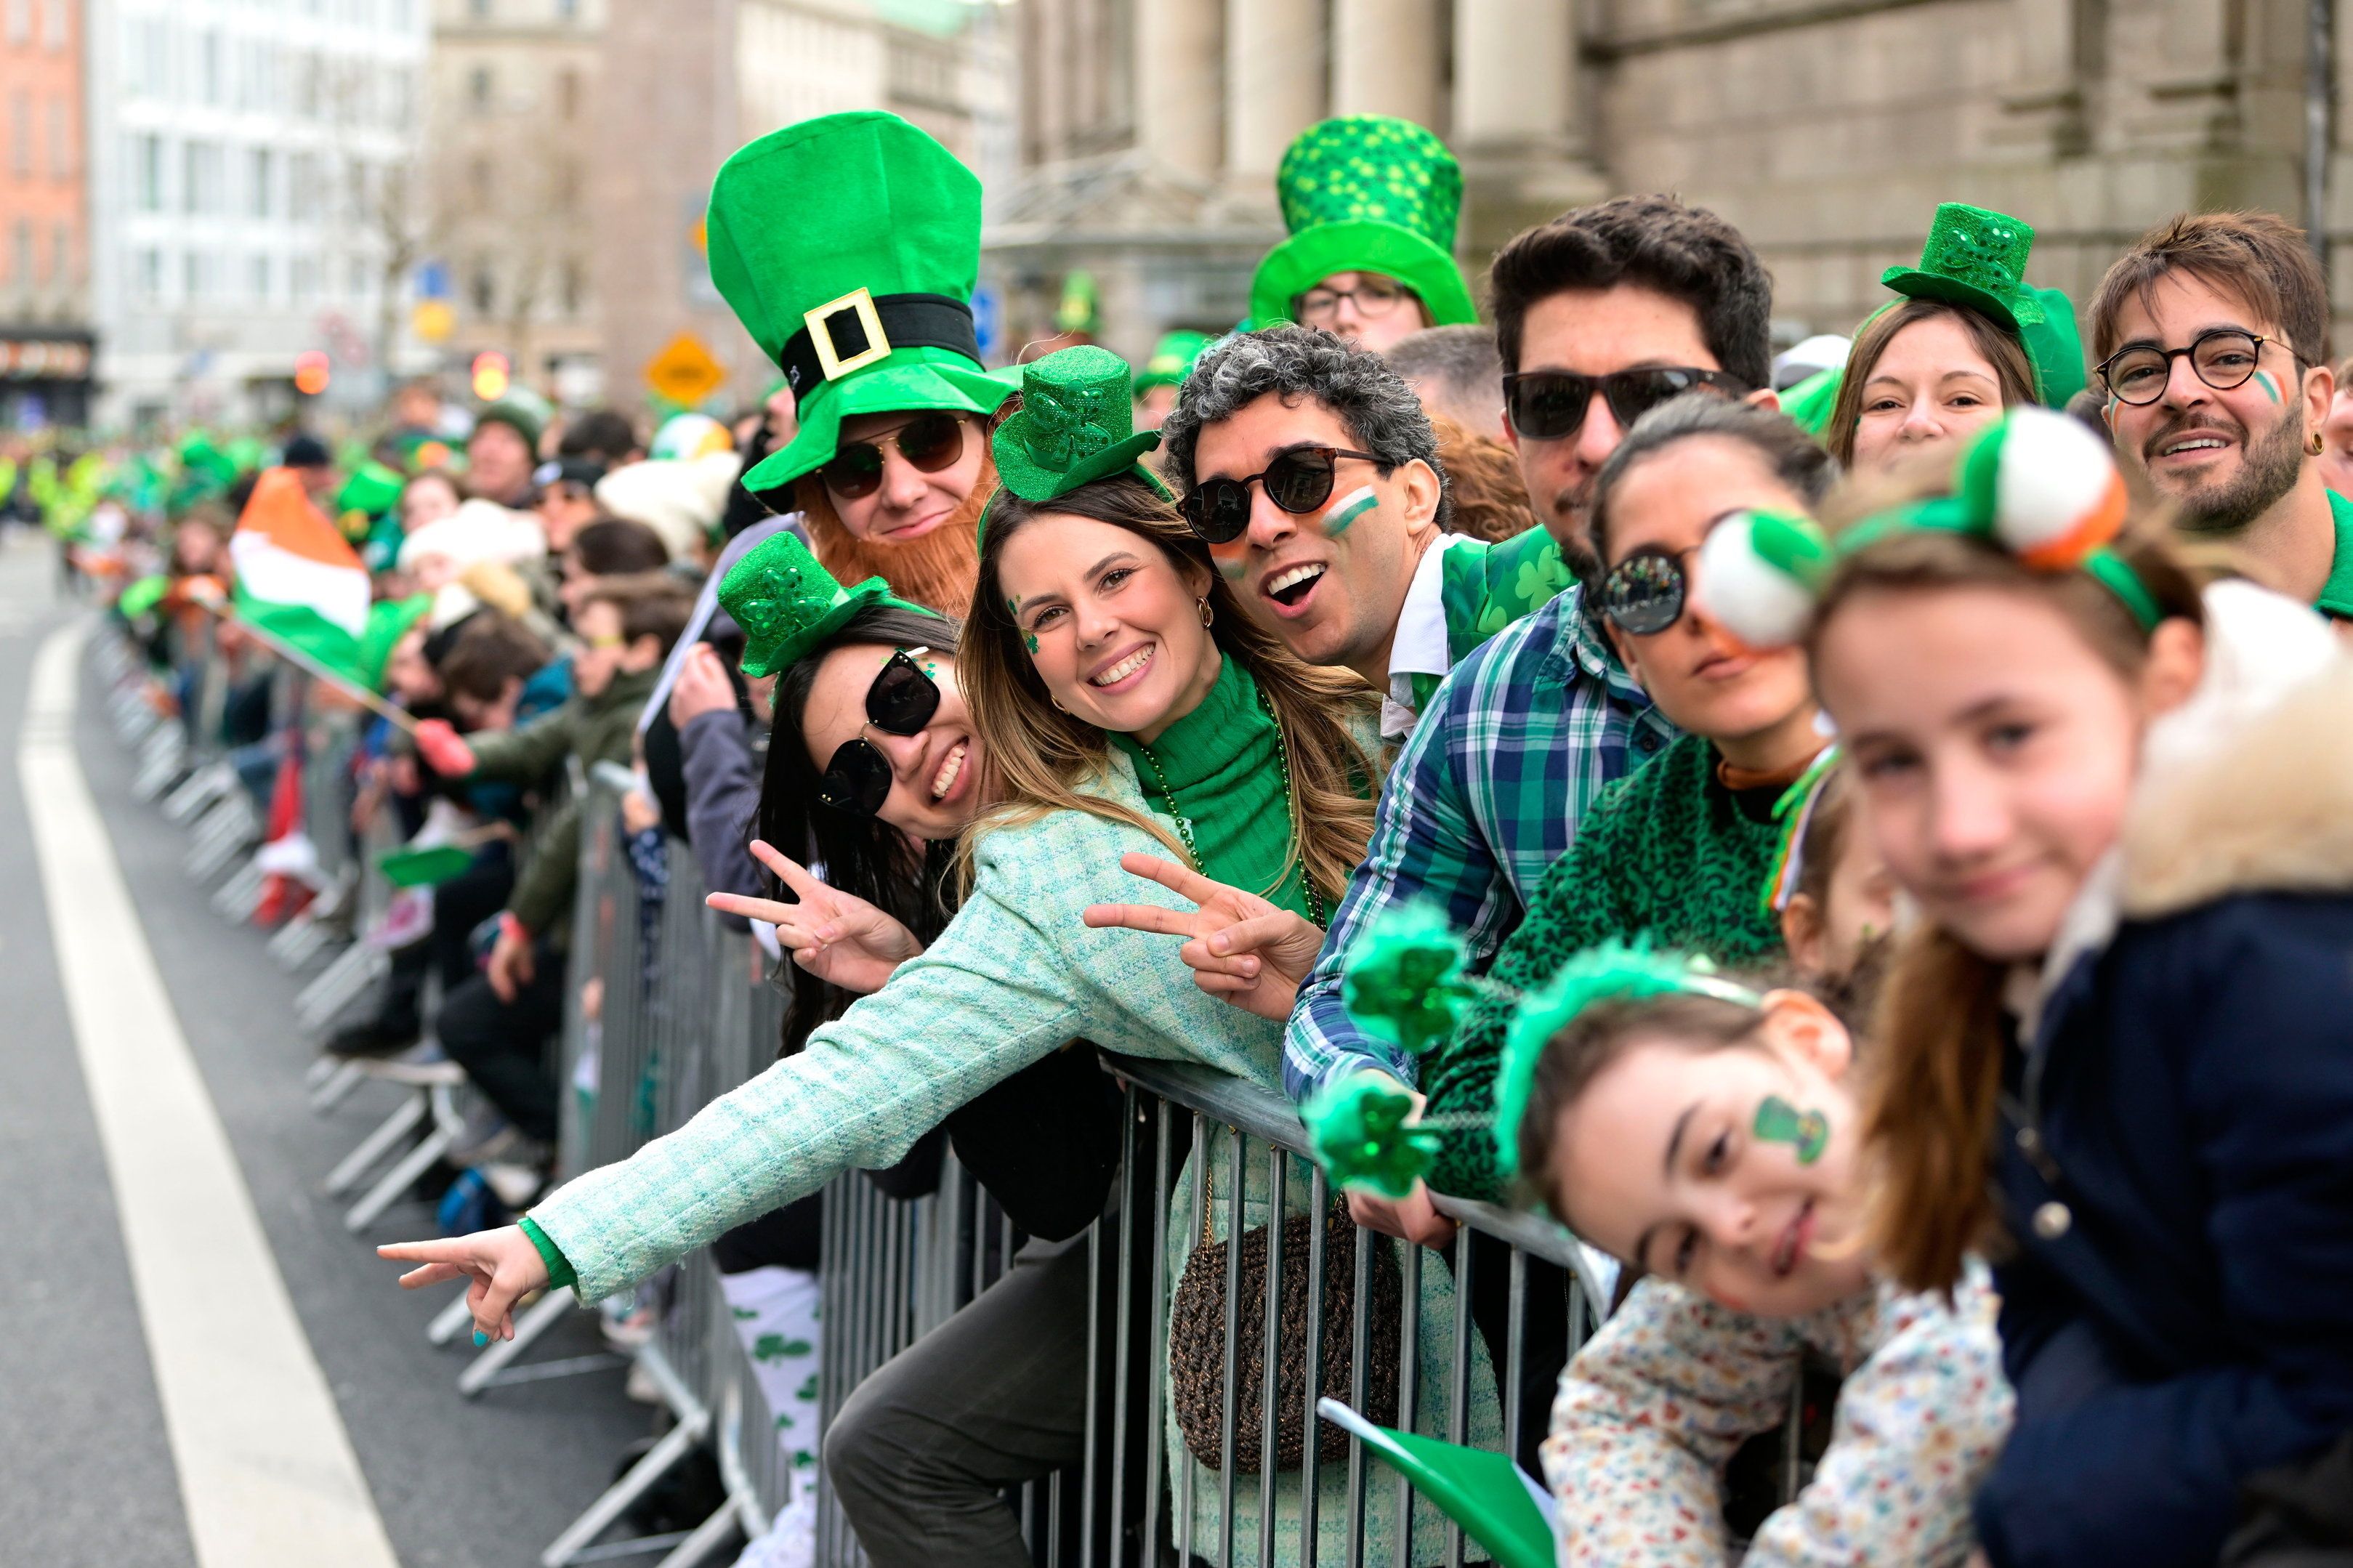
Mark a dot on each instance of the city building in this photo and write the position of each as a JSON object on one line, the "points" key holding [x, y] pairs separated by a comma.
{"points": [[517, 96], [252, 192], [44, 339], [1150, 130]]}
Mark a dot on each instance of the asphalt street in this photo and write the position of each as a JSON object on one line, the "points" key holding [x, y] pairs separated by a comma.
{"points": [[88, 1470]]}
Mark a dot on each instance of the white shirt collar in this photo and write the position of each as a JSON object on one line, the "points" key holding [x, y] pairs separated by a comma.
{"points": [[1420, 646]]}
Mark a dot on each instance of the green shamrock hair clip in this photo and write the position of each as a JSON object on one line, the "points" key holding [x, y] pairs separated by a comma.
{"points": [[1358, 1132], [1613, 971], [1403, 982]]}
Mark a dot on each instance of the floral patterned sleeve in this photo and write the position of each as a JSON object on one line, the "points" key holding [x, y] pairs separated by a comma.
{"points": [[1648, 1413]]}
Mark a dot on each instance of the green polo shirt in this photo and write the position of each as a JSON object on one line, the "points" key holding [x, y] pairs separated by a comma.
{"points": [[2336, 599]]}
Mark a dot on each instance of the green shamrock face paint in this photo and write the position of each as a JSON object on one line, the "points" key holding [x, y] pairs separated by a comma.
{"points": [[1779, 1121], [1013, 608]]}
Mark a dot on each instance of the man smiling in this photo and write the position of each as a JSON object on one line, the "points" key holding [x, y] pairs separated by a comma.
{"points": [[2212, 336], [1311, 469]]}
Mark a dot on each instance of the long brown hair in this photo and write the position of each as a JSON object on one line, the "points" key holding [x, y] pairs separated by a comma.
{"points": [[1041, 753], [1930, 1112], [2001, 347]]}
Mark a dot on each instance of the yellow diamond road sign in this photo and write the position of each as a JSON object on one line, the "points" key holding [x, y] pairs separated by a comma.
{"points": [[685, 372]]}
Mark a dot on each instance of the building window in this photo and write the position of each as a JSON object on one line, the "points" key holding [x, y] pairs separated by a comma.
{"points": [[571, 288], [478, 90], [57, 19], [478, 183], [151, 273], [200, 190], [479, 10], [20, 259], [567, 10], [20, 135], [564, 187], [567, 94], [302, 191], [196, 275], [61, 267], [483, 289], [208, 68], [147, 164], [20, 20], [257, 278], [305, 278], [61, 142], [261, 177], [356, 274]]}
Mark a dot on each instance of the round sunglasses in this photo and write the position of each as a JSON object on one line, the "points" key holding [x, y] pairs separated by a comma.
{"points": [[1644, 593], [1299, 480], [929, 442], [900, 702], [1551, 405]]}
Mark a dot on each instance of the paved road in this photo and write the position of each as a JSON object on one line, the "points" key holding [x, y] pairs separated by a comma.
{"points": [[87, 1474]]}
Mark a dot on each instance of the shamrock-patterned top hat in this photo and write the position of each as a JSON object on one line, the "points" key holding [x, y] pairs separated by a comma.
{"points": [[1076, 425], [1366, 193], [848, 246], [787, 604], [1977, 257], [1172, 359]]}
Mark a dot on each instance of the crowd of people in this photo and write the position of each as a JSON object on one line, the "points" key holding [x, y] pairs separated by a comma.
{"points": [[1869, 857]]}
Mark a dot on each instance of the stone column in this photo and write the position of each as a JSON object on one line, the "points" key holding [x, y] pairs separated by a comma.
{"points": [[1386, 56], [1179, 121], [1515, 78], [1274, 82]]}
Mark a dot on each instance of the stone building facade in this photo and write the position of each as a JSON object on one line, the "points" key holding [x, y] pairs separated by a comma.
{"points": [[1827, 129], [44, 339]]}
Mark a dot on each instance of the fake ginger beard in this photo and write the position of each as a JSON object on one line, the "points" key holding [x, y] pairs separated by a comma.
{"points": [[937, 570]]}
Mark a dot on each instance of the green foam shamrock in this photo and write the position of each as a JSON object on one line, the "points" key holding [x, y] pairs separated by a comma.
{"points": [[1404, 980], [1357, 1130]]}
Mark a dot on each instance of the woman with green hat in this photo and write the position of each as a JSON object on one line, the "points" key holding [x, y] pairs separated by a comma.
{"points": [[849, 246], [1969, 338], [1157, 384], [1371, 203], [1129, 711]]}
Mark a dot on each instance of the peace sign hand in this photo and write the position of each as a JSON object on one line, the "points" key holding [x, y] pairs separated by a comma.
{"points": [[1252, 953], [838, 937]]}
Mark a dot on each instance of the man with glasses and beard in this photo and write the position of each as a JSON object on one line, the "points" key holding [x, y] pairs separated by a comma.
{"points": [[1311, 470], [848, 246], [2213, 338]]}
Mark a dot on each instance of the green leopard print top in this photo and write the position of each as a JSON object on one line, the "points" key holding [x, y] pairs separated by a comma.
{"points": [[1668, 850]]}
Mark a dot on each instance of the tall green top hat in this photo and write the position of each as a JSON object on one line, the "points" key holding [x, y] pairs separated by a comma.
{"points": [[1172, 359], [1367, 193], [1076, 425], [1977, 258], [848, 246], [787, 604]]}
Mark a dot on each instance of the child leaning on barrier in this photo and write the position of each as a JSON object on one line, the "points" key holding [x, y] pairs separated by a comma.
{"points": [[1707, 1134]]}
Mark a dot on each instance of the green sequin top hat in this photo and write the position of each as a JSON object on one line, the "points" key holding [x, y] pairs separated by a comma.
{"points": [[1172, 359], [1076, 425], [1977, 257], [848, 246], [787, 604], [1365, 192]]}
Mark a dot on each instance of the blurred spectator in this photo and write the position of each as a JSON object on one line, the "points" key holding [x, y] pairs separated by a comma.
{"points": [[1491, 500], [313, 465], [603, 435], [501, 453], [681, 499], [1457, 372], [608, 547], [428, 498], [567, 498]]}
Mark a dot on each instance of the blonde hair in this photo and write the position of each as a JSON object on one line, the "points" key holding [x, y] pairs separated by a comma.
{"points": [[1041, 753]]}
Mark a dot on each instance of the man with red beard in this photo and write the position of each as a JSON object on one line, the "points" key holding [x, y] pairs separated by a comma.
{"points": [[2212, 336], [849, 246]]}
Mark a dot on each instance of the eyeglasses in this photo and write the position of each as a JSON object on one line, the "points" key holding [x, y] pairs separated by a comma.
{"points": [[928, 443], [1550, 404], [1375, 298], [901, 702], [2224, 359], [1299, 480], [1644, 593]]}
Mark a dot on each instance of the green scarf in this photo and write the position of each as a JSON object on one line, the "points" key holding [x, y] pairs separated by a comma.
{"points": [[1218, 763]]}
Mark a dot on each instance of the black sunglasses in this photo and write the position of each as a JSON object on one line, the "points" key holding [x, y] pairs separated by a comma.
{"points": [[901, 702], [1550, 404], [1299, 480], [929, 442]]}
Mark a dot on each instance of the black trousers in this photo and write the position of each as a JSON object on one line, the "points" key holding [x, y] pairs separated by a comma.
{"points": [[503, 1045], [460, 904]]}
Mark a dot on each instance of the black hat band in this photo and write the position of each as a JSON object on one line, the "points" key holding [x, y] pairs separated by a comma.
{"points": [[908, 322]]}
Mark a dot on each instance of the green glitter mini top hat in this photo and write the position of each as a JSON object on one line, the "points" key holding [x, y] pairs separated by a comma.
{"points": [[1977, 257], [848, 246], [787, 604], [1366, 193], [1076, 425]]}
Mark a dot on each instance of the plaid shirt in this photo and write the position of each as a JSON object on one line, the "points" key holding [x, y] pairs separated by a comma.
{"points": [[1485, 796]]}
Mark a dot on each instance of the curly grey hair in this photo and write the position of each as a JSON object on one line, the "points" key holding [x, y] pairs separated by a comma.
{"points": [[1376, 405]]}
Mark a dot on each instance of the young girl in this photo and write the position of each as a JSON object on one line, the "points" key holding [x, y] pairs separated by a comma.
{"points": [[1678, 850], [1709, 1136], [2117, 1040]]}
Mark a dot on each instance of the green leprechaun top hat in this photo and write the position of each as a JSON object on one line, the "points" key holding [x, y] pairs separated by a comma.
{"points": [[787, 604], [1172, 359], [1366, 193], [1076, 425], [848, 246], [1977, 257]]}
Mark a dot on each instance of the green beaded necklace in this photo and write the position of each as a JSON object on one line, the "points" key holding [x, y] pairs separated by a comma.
{"points": [[1317, 911]]}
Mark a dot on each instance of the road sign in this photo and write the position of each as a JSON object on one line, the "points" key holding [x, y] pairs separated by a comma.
{"points": [[988, 319], [433, 321], [685, 372]]}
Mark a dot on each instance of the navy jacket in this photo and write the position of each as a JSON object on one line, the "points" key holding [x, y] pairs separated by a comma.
{"points": [[2177, 1175]]}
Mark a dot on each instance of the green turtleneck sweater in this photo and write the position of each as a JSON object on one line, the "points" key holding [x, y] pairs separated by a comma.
{"points": [[1220, 763]]}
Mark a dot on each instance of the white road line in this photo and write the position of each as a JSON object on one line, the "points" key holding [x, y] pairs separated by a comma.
{"points": [[266, 1472]]}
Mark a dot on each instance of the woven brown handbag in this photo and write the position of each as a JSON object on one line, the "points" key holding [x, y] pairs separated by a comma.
{"points": [[1197, 1343]]}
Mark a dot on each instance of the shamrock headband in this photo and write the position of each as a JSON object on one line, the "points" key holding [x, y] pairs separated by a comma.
{"points": [[1795, 812], [2039, 486], [787, 604]]}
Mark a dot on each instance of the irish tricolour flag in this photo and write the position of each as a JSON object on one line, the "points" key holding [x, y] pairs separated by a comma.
{"points": [[296, 580]]}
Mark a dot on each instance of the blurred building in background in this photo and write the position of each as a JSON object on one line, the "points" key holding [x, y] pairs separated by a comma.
{"points": [[1149, 130], [44, 337], [253, 196]]}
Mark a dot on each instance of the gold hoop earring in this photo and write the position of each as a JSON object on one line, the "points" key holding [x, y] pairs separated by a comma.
{"points": [[1208, 615], [2316, 445]]}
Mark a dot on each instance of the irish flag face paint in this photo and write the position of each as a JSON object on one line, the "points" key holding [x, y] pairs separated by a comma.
{"points": [[1343, 513], [1232, 558], [2270, 388]]}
